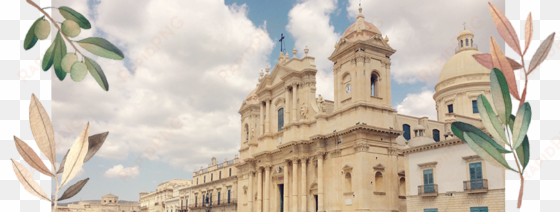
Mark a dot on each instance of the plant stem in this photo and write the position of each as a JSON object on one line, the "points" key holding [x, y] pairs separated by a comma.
{"points": [[526, 80], [520, 198], [54, 23]]}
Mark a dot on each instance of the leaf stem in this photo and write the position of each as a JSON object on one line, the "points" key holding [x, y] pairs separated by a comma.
{"points": [[54, 23], [526, 80], [520, 198]]}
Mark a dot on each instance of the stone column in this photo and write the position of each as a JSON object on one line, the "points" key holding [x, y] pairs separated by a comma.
{"points": [[259, 190], [267, 125], [286, 185], [294, 102], [251, 197], [262, 120], [287, 107], [294, 185], [303, 184], [320, 181], [267, 189]]}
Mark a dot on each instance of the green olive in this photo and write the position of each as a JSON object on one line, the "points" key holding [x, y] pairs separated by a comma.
{"points": [[70, 28], [42, 29], [67, 61], [79, 71]]}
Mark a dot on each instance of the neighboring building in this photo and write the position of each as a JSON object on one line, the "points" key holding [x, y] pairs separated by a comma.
{"points": [[217, 185], [108, 203], [155, 201], [448, 175]]}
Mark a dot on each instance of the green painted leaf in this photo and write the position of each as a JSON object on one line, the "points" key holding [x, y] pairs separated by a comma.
{"points": [[521, 124], [485, 150], [500, 94], [102, 48], [490, 120], [71, 14], [522, 151], [459, 128], [30, 38], [97, 73], [49, 57], [59, 52]]}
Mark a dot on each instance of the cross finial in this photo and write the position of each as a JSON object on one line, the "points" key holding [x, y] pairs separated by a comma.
{"points": [[465, 25]]}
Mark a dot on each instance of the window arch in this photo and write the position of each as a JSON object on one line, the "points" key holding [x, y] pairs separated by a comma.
{"points": [[373, 84], [406, 129], [435, 133], [467, 40], [348, 182], [280, 119], [378, 181], [402, 187]]}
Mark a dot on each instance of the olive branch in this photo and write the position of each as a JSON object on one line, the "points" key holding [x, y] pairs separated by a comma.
{"points": [[505, 128], [57, 56]]}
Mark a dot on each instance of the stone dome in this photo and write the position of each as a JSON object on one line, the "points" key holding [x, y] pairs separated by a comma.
{"points": [[420, 141], [361, 29]]}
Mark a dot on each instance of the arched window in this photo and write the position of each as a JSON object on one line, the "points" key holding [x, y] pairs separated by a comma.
{"points": [[435, 133], [378, 181], [406, 129], [348, 182], [467, 40], [373, 82], [402, 187], [461, 43], [280, 119]]}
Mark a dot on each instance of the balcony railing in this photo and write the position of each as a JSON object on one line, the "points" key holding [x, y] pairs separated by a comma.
{"points": [[473, 45], [475, 186], [230, 162], [220, 165], [428, 190]]}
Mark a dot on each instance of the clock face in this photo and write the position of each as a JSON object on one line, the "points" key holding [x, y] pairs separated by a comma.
{"points": [[348, 88]]}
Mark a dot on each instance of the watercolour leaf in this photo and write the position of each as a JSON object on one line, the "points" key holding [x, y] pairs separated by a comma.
{"points": [[74, 189], [97, 73], [486, 61], [61, 168], [76, 155], [42, 129], [542, 53], [490, 120], [49, 57], [95, 143], [528, 32], [59, 53], [101, 47], [30, 38], [505, 28], [522, 151], [31, 157], [26, 179], [521, 124], [500, 62], [71, 14], [500, 95]]}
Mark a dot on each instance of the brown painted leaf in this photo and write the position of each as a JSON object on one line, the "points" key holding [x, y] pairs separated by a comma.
{"points": [[31, 157], [61, 168], [486, 61], [95, 143], [75, 158], [42, 129], [26, 179], [541, 53], [528, 32], [501, 62], [74, 189], [505, 28]]}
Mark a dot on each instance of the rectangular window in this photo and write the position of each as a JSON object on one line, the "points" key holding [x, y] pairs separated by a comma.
{"points": [[429, 181], [204, 179], [475, 171], [430, 210], [195, 200], [280, 119], [479, 209], [220, 175], [218, 197], [228, 195], [474, 107], [230, 172], [211, 177], [450, 108]]}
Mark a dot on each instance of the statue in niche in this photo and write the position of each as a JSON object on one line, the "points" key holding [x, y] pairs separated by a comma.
{"points": [[252, 134], [303, 111], [321, 104]]}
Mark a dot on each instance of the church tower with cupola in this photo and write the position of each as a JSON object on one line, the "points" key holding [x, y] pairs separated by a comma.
{"points": [[362, 79]]}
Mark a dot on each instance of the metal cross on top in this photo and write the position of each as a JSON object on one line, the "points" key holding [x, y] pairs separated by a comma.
{"points": [[465, 25], [282, 42]]}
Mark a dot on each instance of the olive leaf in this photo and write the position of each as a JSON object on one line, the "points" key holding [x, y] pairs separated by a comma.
{"points": [[486, 61], [73, 190], [26, 179], [500, 95], [61, 168], [101, 47], [541, 53], [30, 38], [71, 14], [97, 73], [522, 151], [49, 56], [490, 120], [504, 27], [481, 144], [95, 143], [500, 61], [528, 32], [42, 129], [31, 157], [59, 52], [521, 124], [76, 155]]}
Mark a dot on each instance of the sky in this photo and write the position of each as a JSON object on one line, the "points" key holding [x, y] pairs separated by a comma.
{"points": [[172, 103]]}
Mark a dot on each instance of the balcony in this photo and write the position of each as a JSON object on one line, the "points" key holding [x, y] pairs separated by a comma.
{"points": [[428, 190], [230, 162], [476, 186]]}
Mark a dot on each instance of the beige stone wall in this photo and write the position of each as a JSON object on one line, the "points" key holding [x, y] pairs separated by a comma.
{"points": [[459, 202]]}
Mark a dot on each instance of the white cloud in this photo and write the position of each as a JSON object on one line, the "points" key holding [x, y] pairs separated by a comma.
{"points": [[175, 100], [419, 105], [120, 171], [309, 24]]}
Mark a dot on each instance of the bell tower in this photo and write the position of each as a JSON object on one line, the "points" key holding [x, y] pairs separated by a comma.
{"points": [[362, 60]]}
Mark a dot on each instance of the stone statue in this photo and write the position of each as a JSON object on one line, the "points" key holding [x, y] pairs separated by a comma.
{"points": [[303, 111], [321, 104], [252, 134]]}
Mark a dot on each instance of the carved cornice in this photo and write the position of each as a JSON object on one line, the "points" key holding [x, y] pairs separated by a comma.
{"points": [[454, 141], [361, 147], [336, 153], [379, 167], [392, 151], [357, 128], [472, 158], [428, 165]]}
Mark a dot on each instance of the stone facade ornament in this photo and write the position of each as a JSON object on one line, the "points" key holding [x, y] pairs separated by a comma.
{"points": [[303, 111], [321, 104], [361, 147]]}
